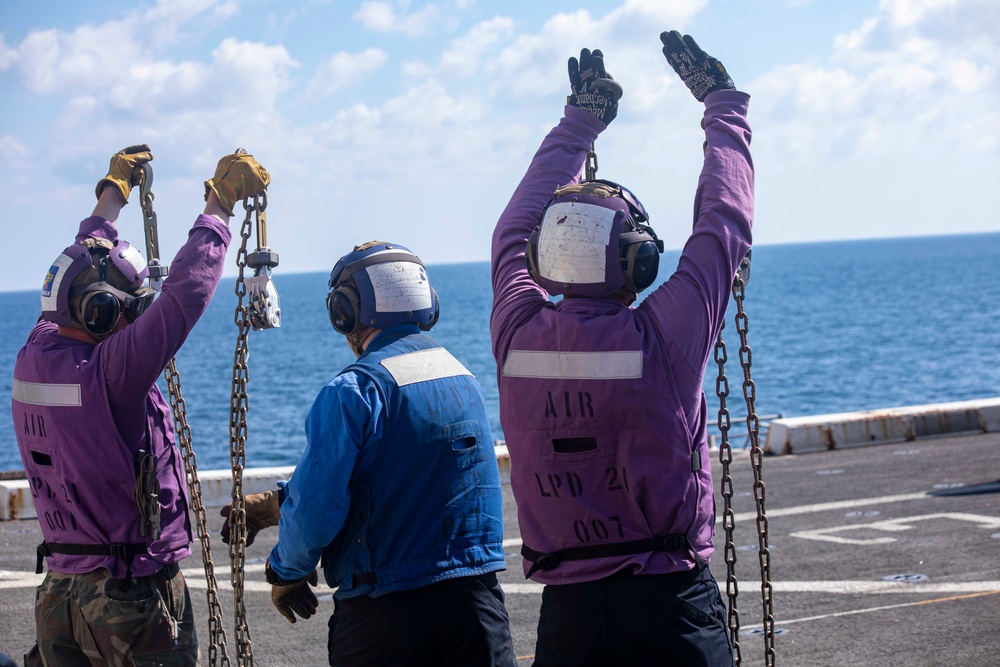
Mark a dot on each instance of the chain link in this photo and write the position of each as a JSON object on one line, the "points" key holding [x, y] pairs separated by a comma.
{"points": [[726, 487], [217, 654], [756, 463], [239, 404]]}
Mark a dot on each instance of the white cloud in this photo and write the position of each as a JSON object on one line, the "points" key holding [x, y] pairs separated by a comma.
{"points": [[381, 16], [118, 62], [920, 71], [253, 71], [8, 56], [52, 62], [343, 69], [629, 36], [13, 151], [468, 53], [171, 21], [530, 67]]}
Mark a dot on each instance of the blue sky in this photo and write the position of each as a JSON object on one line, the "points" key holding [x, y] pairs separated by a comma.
{"points": [[413, 121]]}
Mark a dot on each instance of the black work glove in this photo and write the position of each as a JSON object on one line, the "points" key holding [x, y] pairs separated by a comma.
{"points": [[700, 72], [262, 510], [593, 89], [293, 597]]}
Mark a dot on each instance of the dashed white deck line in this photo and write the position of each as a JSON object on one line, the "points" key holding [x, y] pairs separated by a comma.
{"points": [[196, 579]]}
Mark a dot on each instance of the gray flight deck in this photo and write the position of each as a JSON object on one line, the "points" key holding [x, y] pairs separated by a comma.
{"points": [[869, 568]]}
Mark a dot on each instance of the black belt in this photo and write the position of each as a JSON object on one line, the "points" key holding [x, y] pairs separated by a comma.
{"points": [[126, 552], [548, 561], [363, 579]]}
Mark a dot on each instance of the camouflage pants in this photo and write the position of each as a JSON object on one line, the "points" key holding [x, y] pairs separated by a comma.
{"points": [[85, 620]]}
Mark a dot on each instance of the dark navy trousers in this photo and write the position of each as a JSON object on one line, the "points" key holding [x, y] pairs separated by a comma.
{"points": [[459, 622], [635, 620]]}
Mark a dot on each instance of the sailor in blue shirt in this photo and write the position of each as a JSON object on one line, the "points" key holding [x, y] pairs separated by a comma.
{"points": [[397, 494]]}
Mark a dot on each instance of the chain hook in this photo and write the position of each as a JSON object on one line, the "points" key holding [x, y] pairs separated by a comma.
{"points": [[264, 304], [590, 171], [744, 271], [157, 271]]}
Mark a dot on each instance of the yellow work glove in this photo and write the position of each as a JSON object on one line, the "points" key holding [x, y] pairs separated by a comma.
{"points": [[124, 172], [293, 597], [263, 511], [237, 177]]}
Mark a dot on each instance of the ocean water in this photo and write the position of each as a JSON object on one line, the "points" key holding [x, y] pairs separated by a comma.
{"points": [[833, 327]]}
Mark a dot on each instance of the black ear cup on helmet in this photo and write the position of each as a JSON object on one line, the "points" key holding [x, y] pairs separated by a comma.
{"points": [[436, 315], [640, 256], [531, 256], [343, 304], [641, 262], [99, 312]]}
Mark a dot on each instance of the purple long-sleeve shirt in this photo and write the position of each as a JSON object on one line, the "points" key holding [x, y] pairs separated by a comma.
{"points": [[84, 411], [626, 380]]}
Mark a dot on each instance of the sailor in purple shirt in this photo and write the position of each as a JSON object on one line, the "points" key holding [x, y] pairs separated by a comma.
{"points": [[601, 402], [91, 419]]}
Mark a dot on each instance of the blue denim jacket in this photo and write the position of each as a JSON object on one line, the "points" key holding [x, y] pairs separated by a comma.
{"points": [[398, 487]]}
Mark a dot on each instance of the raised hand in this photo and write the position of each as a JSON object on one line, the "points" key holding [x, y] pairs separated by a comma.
{"points": [[593, 89], [237, 177], [124, 171], [700, 72]]}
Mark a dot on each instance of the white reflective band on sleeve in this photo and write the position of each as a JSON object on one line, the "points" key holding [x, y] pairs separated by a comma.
{"points": [[574, 365], [422, 366], [400, 287], [50, 288], [573, 242], [37, 393]]}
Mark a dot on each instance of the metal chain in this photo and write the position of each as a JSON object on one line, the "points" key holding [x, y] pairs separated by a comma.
{"points": [[237, 447], [217, 654], [178, 408], [756, 462], [728, 517]]}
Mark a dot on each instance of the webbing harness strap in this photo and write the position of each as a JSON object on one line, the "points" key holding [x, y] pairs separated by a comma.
{"points": [[125, 552], [548, 561]]}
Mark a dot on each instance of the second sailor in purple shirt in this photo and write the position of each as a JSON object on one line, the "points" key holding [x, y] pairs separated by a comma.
{"points": [[601, 401]]}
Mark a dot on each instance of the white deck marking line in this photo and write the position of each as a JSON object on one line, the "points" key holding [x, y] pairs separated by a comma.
{"points": [[892, 526], [826, 507], [852, 612], [863, 587], [837, 587], [196, 579]]}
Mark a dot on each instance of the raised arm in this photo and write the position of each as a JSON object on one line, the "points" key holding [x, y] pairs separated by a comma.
{"points": [[689, 308], [591, 105], [135, 357]]}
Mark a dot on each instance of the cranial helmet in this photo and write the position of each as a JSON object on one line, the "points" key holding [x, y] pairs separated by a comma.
{"points": [[380, 285], [91, 283], [593, 241]]}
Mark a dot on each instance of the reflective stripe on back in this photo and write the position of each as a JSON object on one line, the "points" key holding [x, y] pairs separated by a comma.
{"points": [[38, 393], [574, 365], [424, 365]]}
